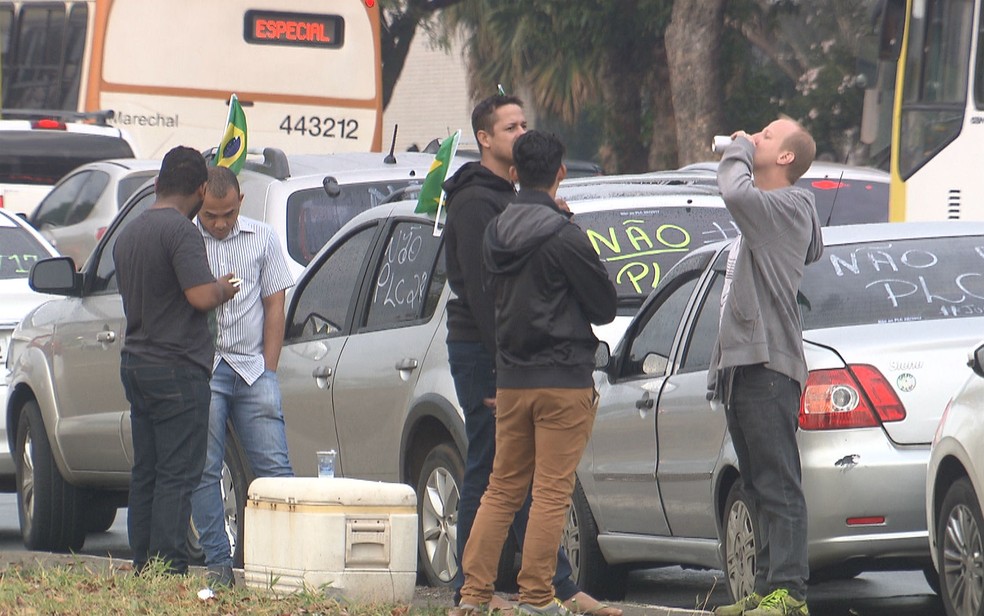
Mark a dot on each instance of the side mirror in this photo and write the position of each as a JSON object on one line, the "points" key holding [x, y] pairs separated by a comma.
{"points": [[603, 355], [55, 276], [976, 361]]}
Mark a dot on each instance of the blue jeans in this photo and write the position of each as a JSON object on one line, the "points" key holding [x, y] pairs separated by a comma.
{"points": [[168, 418], [473, 371], [258, 419], [762, 419]]}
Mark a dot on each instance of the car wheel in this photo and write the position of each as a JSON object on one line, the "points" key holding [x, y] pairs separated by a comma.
{"points": [[236, 477], [960, 550], [48, 507], [99, 518], [234, 486], [739, 543], [438, 492], [591, 571]]}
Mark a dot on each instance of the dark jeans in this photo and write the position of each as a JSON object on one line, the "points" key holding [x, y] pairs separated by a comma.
{"points": [[169, 423], [762, 419], [473, 371]]}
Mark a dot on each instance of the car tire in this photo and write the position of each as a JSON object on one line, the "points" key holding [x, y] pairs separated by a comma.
{"points": [[738, 543], [591, 571], [438, 493], [51, 518], [960, 550], [99, 518], [236, 478]]}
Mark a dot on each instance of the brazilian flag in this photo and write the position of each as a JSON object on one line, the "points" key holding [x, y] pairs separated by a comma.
{"points": [[431, 194], [232, 148]]}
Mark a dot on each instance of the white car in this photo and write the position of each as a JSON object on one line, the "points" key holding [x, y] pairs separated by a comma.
{"points": [[21, 246], [35, 153], [78, 210], [955, 496]]}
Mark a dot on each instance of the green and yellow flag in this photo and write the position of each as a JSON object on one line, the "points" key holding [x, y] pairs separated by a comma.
{"points": [[431, 194], [232, 148]]}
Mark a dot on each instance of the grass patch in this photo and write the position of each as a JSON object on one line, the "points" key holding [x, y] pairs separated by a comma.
{"points": [[79, 589]]}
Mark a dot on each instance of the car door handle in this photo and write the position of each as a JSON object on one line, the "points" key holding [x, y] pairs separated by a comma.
{"points": [[321, 372], [645, 403], [407, 363], [106, 337]]}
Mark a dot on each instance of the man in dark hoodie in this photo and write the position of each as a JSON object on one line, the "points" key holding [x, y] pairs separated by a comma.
{"points": [[550, 286], [759, 358], [477, 193]]}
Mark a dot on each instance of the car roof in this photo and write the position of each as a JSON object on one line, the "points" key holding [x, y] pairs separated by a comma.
{"points": [[819, 169], [345, 167], [130, 164]]}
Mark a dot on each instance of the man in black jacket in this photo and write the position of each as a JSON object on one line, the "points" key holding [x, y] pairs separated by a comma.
{"points": [[550, 286]]}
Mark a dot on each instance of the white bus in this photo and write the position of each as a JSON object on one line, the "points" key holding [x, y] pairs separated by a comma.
{"points": [[935, 49], [308, 73]]}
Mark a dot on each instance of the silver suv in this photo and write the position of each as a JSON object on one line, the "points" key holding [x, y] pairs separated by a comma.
{"points": [[66, 414], [363, 371]]}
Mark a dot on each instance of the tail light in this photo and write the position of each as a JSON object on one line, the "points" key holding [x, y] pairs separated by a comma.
{"points": [[857, 396], [49, 124]]}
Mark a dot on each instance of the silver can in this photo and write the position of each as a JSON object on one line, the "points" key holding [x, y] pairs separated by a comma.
{"points": [[720, 142]]}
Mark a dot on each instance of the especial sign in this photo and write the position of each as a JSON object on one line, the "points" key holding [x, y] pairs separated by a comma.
{"points": [[298, 29]]}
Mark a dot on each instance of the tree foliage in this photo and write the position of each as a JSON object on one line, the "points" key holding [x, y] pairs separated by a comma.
{"points": [[651, 92]]}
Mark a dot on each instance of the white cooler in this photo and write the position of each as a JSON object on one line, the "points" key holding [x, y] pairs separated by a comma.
{"points": [[350, 538]]}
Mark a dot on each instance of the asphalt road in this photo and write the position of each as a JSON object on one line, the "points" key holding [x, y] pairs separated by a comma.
{"points": [[651, 591]]}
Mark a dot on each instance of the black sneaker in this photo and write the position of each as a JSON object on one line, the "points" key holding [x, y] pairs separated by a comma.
{"points": [[220, 575]]}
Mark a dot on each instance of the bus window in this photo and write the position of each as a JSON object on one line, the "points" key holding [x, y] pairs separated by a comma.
{"points": [[937, 69], [71, 73]]}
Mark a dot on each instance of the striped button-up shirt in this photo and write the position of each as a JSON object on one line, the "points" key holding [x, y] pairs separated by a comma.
{"points": [[252, 252]]}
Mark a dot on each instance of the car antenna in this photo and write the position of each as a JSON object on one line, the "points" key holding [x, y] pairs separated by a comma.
{"points": [[390, 159], [840, 182]]}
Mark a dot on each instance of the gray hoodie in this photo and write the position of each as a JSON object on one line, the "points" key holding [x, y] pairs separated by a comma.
{"points": [[780, 236]]}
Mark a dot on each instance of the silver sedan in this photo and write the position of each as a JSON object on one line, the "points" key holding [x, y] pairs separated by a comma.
{"points": [[888, 312]]}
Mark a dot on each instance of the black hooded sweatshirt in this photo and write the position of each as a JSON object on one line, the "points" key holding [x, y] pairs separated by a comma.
{"points": [[550, 286], [475, 196]]}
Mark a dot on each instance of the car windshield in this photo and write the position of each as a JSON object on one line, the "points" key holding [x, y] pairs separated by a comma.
{"points": [[638, 246], [44, 157], [313, 216], [894, 281], [18, 251], [845, 201]]}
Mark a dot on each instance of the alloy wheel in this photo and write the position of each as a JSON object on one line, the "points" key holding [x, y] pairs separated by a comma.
{"points": [[439, 523], [963, 560]]}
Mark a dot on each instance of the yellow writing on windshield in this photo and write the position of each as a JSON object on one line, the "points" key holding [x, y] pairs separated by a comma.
{"points": [[632, 243]]}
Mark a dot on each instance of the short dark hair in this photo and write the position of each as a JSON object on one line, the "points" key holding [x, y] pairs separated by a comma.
{"points": [[483, 115], [220, 180], [537, 156], [182, 172]]}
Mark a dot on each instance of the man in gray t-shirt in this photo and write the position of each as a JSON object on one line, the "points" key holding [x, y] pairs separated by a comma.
{"points": [[167, 290]]}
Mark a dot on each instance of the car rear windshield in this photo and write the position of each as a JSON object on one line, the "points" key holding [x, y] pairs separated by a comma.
{"points": [[18, 251], [638, 246], [313, 216], [43, 157], [844, 201], [894, 281]]}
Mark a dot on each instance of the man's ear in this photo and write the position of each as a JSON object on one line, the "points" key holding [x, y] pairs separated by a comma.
{"points": [[513, 174], [561, 173], [786, 157], [484, 139]]}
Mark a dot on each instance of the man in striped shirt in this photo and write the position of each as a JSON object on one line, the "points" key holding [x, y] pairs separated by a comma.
{"points": [[249, 337]]}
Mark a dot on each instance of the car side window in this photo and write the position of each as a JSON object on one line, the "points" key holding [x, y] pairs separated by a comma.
{"points": [[55, 207], [649, 352], [104, 278], [87, 197], [325, 302], [408, 279], [703, 335]]}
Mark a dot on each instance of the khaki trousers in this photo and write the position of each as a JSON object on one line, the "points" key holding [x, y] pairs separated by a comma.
{"points": [[540, 435]]}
